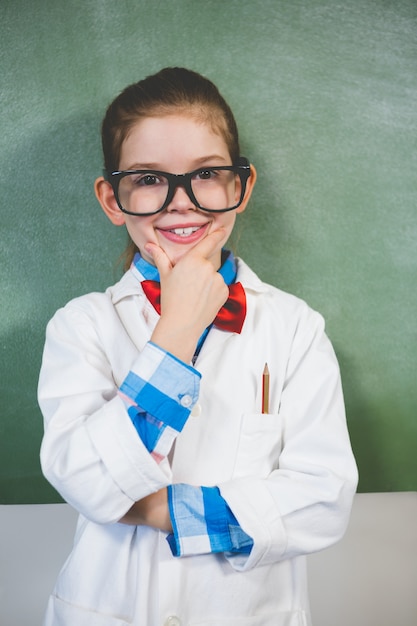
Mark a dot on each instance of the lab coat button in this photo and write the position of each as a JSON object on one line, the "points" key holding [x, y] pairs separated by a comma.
{"points": [[196, 412], [172, 620], [186, 401]]}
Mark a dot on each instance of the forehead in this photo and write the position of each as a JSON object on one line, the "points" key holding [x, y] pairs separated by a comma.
{"points": [[171, 139]]}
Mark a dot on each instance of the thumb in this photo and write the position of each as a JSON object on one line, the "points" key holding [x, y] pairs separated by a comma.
{"points": [[159, 257]]}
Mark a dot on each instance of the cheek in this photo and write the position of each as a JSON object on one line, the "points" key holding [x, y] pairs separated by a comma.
{"points": [[138, 227], [141, 232], [227, 221]]}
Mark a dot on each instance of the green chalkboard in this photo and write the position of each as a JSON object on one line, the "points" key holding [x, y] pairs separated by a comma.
{"points": [[325, 95]]}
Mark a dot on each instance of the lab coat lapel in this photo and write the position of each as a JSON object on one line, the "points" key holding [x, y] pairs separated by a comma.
{"points": [[216, 340], [136, 313]]}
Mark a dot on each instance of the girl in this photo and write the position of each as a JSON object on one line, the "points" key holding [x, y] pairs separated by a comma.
{"points": [[201, 481]]}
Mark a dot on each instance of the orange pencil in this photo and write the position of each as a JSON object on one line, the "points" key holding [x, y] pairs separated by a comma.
{"points": [[265, 389]]}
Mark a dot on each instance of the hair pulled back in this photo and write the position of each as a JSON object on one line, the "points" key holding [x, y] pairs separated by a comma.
{"points": [[173, 90]]}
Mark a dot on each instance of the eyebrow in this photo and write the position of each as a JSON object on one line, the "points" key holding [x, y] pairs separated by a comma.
{"points": [[205, 160], [211, 157]]}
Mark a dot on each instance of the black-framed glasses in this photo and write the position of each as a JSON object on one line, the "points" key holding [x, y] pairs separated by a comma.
{"points": [[214, 189]]}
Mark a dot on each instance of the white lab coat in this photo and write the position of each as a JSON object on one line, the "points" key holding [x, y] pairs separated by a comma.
{"points": [[288, 476]]}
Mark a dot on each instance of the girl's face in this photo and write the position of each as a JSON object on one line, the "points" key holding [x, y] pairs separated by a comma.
{"points": [[176, 144]]}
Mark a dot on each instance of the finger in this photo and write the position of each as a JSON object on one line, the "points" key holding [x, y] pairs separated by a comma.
{"points": [[160, 258]]}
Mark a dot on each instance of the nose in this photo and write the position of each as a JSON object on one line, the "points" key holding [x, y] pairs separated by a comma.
{"points": [[181, 201]]}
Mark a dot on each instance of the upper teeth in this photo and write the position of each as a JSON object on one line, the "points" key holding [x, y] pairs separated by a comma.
{"points": [[185, 231]]}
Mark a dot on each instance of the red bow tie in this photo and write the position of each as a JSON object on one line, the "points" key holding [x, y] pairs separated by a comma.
{"points": [[230, 317]]}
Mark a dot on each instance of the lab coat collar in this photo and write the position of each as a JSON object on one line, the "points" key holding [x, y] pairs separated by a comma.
{"points": [[248, 278]]}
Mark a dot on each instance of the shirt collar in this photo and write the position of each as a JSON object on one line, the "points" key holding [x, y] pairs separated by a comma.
{"points": [[147, 271]]}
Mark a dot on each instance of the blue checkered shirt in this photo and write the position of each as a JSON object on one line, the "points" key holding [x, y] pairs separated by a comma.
{"points": [[159, 397]]}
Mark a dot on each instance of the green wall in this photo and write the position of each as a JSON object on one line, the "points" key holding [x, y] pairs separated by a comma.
{"points": [[325, 96]]}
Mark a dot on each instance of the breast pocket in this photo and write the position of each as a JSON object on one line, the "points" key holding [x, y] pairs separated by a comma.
{"points": [[259, 445]]}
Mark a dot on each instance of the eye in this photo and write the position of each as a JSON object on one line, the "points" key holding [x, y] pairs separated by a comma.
{"points": [[147, 179], [205, 174]]}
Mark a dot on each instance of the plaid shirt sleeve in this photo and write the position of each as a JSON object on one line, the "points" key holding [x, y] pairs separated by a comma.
{"points": [[159, 395], [203, 523]]}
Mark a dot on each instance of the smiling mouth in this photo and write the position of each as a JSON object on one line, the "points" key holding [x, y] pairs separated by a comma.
{"points": [[184, 234]]}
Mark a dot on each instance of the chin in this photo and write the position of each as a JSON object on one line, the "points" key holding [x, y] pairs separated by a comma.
{"points": [[177, 255], [176, 252]]}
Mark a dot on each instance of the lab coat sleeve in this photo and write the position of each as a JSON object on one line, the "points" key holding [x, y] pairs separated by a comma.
{"points": [[91, 452], [303, 506]]}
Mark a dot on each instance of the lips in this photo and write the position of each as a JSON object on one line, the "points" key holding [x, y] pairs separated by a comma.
{"points": [[184, 233]]}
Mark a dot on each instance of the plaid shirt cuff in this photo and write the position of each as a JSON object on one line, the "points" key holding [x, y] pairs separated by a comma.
{"points": [[203, 523], [159, 394]]}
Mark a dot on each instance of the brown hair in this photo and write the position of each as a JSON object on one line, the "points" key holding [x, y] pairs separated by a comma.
{"points": [[171, 90]]}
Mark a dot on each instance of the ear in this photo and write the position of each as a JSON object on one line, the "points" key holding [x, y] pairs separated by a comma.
{"points": [[105, 195], [249, 188]]}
